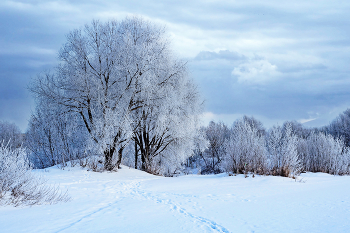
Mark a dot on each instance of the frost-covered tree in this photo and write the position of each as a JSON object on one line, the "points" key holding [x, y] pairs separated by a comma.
{"points": [[217, 134], [170, 119], [290, 165], [245, 150], [282, 151], [326, 154], [340, 127], [195, 161], [10, 134], [297, 129], [122, 81], [274, 143], [302, 149], [54, 136], [256, 124]]}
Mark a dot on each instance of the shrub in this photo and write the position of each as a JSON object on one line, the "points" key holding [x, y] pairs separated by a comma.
{"points": [[19, 186]]}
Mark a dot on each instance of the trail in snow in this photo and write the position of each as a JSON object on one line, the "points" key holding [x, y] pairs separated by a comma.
{"points": [[132, 189], [212, 225], [86, 216]]}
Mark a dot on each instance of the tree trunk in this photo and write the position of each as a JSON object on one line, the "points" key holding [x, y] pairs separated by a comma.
{"points": [[120, 156], [143, 160], [136, 155], [108, 159]]}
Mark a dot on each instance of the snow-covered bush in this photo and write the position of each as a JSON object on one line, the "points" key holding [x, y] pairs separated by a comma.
{"points": [[19, 186]]}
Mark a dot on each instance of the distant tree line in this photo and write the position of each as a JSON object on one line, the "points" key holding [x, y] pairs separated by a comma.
{"points": [[287, 150], [244, 148]]}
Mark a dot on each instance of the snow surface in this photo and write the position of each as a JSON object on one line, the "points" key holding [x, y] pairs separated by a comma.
{"points": [[133, 201]]}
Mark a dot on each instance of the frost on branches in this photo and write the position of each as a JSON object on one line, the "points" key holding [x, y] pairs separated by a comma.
{"points": [[252, 150], [122, 83], [327, 154], [245, 151], [282, 151]]}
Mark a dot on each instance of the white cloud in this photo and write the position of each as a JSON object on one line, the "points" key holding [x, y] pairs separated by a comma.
{"points": [[302, 121], [256, 72]]}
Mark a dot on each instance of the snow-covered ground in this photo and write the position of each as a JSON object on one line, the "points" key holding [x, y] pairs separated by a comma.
{"points": [[133, 201]]}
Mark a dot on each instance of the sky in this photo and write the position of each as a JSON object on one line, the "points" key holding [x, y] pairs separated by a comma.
{"points": [[274, 60]]}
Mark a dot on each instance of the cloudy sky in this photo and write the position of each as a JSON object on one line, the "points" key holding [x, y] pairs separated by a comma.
{"points": [[276, 60]]}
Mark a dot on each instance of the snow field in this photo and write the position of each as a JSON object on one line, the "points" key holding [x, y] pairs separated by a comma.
{"points": [[133, 201]]}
